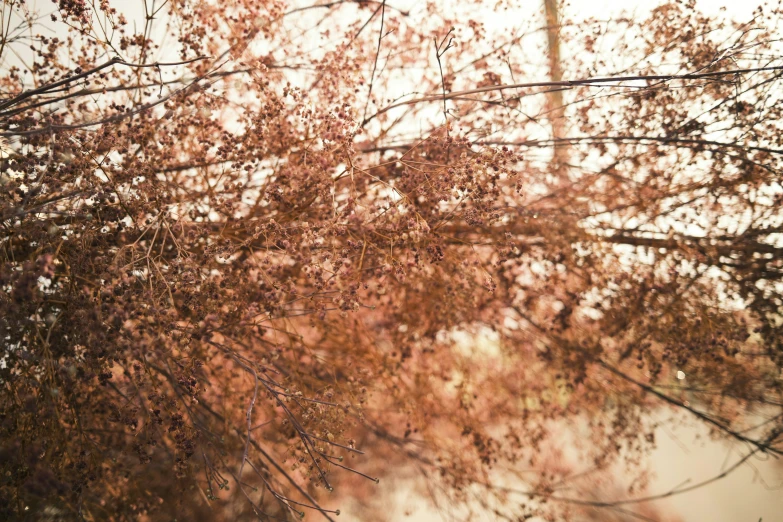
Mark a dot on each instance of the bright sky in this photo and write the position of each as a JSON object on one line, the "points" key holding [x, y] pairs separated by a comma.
{"points": [[734, 8]]}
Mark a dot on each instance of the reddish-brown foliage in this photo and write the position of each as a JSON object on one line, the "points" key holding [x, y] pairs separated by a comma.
{"points": [[252, 251]]}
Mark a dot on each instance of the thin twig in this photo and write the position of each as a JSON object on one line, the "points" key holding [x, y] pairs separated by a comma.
{"points": [[577, 83], [375, 63]]}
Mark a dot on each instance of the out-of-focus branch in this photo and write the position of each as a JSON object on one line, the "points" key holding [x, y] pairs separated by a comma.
{"points": [[762, 445]]}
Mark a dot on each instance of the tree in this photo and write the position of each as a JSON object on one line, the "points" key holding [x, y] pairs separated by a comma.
{"points": [[244, 243]]}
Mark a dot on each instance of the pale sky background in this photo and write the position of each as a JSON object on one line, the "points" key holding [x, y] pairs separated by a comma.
{"points": [[734, 8]]}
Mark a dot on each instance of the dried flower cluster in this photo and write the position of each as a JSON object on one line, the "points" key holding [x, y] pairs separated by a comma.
{"points": [[251, 251]]}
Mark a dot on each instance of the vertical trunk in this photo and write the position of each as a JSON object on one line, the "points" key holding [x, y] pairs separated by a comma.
{"points": [[555, 102]]}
